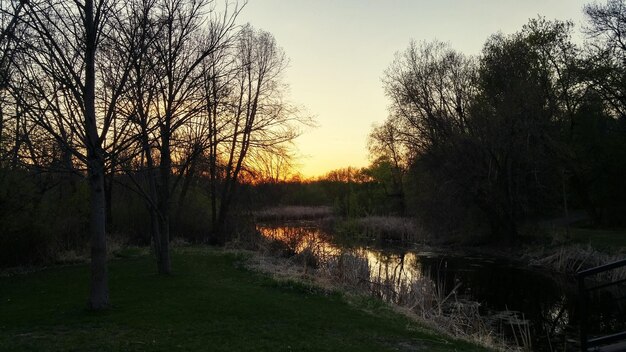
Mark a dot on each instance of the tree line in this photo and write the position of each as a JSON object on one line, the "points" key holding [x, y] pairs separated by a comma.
{"points": [[530, 129], [104, 98]]}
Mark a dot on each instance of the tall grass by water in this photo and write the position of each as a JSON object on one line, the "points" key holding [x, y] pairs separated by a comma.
{"points": [[292, 254], [383, 228], [293, 213], [577, 257]]}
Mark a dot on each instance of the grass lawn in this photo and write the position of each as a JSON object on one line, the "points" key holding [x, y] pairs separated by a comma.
{"points": [[605, 240], [210, 303]]}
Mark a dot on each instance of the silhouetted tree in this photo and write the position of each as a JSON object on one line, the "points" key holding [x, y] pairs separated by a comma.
{"points": [[167, 101], [489, 132], [390, 159], [62, 60], [258, 117], [606, 65]]}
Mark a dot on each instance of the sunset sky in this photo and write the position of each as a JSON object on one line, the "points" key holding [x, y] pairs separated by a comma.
{"points": [[339, 50]]}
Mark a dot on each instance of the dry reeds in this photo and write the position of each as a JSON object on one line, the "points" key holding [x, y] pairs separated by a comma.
{"points": [[391, 228], [395, 279], [293, 213], [574, 258]]}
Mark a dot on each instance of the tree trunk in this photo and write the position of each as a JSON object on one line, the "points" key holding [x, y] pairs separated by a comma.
{"points": [[69, 168], [218, 237], [99, 291], [185, 188], [581, 187], [228, 192], [17, 142], [2, 132], [213, 187], [165, 168], [108, 191], [155, 231], [164, 261]]}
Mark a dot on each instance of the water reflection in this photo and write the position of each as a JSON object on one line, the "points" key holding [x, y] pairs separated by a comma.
{"points": [[511, 300], [300, 238], [392, 272]]}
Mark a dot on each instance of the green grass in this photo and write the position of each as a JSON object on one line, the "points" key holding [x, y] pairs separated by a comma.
{"points": [[604, 240], [210, 303], [610, 241]]}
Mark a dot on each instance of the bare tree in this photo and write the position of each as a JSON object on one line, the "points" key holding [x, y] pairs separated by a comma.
{"points": [[258, 116], [64, 60], [386, 145], [271, 165], [476, 129], [166, 103], [11, 25], [431, 88], [607, 55]]}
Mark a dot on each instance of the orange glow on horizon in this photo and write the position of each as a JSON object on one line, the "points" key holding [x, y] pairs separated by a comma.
{"points": [[316, 166]]}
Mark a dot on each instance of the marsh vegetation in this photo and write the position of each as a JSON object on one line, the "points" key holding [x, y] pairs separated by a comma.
{"points": [[497, 302]]}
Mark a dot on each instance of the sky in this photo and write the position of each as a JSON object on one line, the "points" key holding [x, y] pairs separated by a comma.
{"points": [[338, 52]]}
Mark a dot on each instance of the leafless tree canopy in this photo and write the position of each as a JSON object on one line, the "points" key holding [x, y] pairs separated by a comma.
{"points": [[146, 95]]}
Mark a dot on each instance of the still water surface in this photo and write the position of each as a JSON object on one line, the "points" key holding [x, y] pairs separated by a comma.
{"points": [[504, 290]]}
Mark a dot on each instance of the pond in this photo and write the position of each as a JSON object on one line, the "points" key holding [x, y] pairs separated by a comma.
{"points": [[521, 305]]}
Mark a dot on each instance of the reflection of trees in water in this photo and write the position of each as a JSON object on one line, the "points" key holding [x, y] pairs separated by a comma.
{"points": [[388, 276], [301, 239], [432, 285]]}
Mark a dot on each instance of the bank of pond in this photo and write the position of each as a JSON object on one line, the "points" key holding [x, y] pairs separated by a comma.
{"points": [[469, 295]]}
